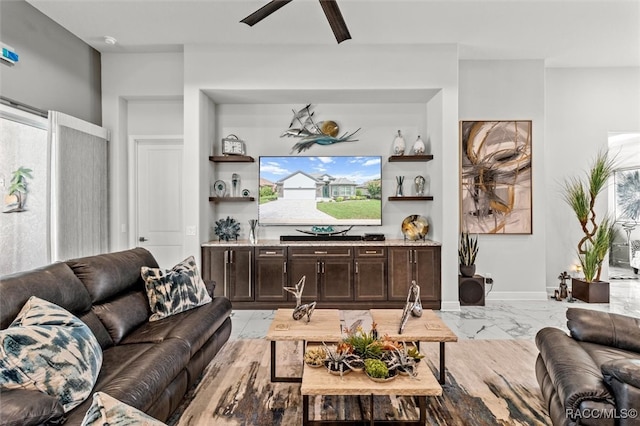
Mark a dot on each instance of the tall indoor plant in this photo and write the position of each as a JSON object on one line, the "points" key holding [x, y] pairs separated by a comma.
{"points": [[581, 195]]}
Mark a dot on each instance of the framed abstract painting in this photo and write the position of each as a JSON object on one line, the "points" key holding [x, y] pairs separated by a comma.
{"points": [[495, 177]]}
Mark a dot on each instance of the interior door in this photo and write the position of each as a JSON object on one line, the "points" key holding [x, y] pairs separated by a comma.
{"points": [[159, 221]]}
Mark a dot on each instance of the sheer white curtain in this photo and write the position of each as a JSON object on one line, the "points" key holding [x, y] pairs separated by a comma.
{"points": [[79, 187]]}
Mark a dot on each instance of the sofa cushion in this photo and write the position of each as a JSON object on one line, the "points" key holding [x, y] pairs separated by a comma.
{"points": [[46, 348], [55, 283], [22, 407], [123, 314], [137, 374], [604, 328], [107, 275], [194, 326], [176, 290], [106, 410]]}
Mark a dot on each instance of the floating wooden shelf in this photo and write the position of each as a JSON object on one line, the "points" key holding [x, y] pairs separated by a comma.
{"points": [[426, 157], [231, 199], [412, 198], [232, 159]]}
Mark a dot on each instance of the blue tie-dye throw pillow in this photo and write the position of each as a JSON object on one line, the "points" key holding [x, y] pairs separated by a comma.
{"points": [[48, 349], [106, 410], [176, 290]]}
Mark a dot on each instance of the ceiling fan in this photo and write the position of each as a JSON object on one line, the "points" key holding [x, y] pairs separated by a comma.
{"points": [[330, 7]]}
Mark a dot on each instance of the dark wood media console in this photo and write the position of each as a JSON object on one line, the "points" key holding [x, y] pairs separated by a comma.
{"points": [[339, 274]]}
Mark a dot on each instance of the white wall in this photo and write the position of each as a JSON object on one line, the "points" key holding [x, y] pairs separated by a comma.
{"points": [[582, 107], [511, 90], [149, 84]]}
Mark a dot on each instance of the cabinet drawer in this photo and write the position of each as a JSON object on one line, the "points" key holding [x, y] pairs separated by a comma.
{"points": [[370, 252], [316, 252], [267, 252]]}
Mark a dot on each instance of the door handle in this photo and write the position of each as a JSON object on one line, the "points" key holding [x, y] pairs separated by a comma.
{"points": [[142, 239], [356, 266]]}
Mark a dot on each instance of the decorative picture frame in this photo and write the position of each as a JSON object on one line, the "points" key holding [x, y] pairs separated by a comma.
{"points": [[496, 177]]}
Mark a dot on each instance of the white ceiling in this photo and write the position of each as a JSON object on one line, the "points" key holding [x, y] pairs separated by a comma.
{"points": [[565, 33]]}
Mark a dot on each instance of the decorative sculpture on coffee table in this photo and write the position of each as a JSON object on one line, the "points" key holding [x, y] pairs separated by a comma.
{"points": [[301, 310], [413, 305]]}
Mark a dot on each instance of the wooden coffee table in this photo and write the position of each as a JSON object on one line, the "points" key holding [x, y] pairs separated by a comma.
{"points": [[427, 328], [318, 381], [323, 327]]}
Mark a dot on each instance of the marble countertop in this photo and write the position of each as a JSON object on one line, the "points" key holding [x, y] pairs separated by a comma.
{"points": [[275, 243]]}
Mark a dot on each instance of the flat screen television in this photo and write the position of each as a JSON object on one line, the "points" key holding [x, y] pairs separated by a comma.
{"points": [[322, 191]]}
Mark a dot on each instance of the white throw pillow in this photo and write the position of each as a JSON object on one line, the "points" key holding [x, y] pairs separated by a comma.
{"points": [[106, 410], [46, 348], [176, 290]]}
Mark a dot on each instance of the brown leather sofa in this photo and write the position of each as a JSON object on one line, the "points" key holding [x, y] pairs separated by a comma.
{"points": [[148, 365], [592, 376]]}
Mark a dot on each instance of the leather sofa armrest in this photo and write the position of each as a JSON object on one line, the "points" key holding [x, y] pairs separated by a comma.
{"points": [[574, 374], [623, 377], [625, 370], [22, 407], [604, 328]]}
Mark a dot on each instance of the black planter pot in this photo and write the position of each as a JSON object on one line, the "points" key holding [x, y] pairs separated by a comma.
{"points": [[467, 270]]}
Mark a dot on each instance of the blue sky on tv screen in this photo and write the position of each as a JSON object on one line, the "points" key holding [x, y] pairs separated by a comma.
{"points": [[355, 168]]}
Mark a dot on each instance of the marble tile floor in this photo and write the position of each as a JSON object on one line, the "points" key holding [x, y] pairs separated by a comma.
{"points": [[495, 320]]}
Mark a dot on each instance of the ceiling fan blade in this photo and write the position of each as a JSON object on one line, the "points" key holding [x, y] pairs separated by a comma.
{"points": [[336, 21], [264, 11]]}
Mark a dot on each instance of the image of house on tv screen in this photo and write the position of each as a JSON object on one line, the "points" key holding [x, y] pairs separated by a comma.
{"points": [[339, 190]]}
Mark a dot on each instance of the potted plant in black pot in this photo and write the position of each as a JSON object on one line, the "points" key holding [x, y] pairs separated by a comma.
{"points": [[467, 253], [581, 195]]}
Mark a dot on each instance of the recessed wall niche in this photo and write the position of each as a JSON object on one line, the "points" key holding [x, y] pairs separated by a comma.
{"points": [[260, 117]]}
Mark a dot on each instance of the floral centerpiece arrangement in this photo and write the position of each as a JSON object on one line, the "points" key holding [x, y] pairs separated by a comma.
{"points": [[381, 359]]}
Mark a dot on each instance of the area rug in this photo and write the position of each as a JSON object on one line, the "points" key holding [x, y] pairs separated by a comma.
{"points": [[488, 382]]}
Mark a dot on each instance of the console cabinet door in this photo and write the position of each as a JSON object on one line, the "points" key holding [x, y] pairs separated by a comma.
{"points": [[336, 279], [308, 267], [370, 273], [214, 268], [401, 272], [240, 275], [427, 272], [232, 270], [271, 274]]}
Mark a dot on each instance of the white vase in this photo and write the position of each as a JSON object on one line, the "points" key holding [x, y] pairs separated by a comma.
{"points": [[398, 144], [418, 146]]}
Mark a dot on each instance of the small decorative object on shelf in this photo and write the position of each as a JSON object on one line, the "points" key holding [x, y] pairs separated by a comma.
{"points": [[399, 190], [235, 184], [415, 227], [399, 144], [220, 188], [301, 310], [309, 132], [253, 236], [246, 193], [227, 229], [413, 305], [419, 182], [418, 146], [232, 145]]}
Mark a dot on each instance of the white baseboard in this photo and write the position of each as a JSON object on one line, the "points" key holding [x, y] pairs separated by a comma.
{"points": [[450, 306], [517, 295]]}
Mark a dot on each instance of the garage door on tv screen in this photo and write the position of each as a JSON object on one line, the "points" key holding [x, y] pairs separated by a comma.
{"points": [[305, 190]]}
